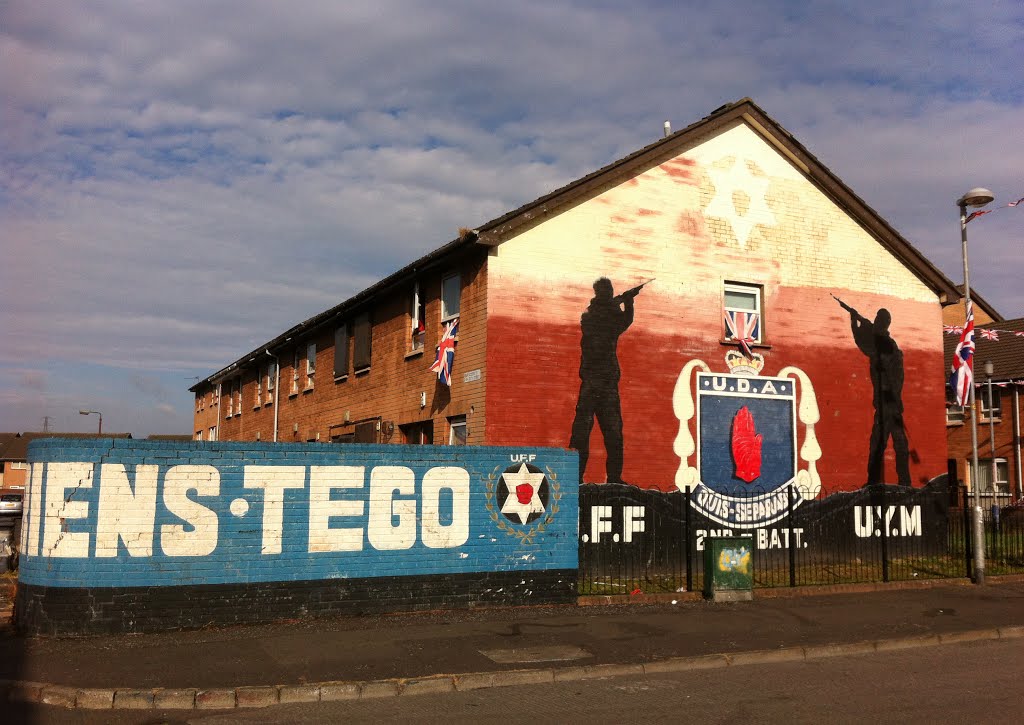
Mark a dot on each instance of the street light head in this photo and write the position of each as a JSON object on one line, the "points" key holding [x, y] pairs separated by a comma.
{"points": [[989, 368], [977, 196], [84, 412]]}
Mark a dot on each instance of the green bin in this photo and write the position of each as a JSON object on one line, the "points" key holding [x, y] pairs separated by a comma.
{"points": [[729, 568]]}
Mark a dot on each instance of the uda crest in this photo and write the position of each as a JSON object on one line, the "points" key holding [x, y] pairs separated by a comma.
{"points": [[747, 456], [523, 500]]}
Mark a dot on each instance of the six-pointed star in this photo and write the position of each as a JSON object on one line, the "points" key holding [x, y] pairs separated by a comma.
{"points": [[738, 178], [512, 505]]}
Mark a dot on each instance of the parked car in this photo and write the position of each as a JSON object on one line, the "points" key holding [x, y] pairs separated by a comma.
{"points": [[10, 504]]}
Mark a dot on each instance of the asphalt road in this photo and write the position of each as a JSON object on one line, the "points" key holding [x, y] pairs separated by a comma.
{"points": [[966, 683]]}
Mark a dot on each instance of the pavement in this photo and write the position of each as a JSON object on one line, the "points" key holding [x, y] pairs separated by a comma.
{"points": [[446, 651]]}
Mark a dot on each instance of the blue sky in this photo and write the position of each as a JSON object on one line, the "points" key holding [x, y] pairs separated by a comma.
{"points": [[182, 181]]}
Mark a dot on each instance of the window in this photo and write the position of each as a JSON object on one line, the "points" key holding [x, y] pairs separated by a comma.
{"points": [[742, 307], [418, 434], [954, 412], [259, 389], [295, 371], [216, 395], [997, 404], [1002, 485], [271, 379], [417, 316], [459, 431], [199, 435], [341, 352], [310, 364], [213, 433], [238, 396], [231, 399], [362, 343], [19, 465], [451, 292]]}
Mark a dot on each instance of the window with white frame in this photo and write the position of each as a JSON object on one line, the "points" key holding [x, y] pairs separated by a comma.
{"points": [[417, 318], [19, 466], [259, 389], [954, 412], [1002, 476], [310, 364], [459, 431], [742, 313], [271, 377], [213, 433], [996, 411], [295, 371], [199, 435], [238, 396], [451, 293], [231, 400]]}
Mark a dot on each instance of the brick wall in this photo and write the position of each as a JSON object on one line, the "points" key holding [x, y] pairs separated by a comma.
{"points": [[124, 535]]}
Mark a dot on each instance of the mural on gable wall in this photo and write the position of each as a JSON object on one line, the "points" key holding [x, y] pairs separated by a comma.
{"points": [[729, 210]]}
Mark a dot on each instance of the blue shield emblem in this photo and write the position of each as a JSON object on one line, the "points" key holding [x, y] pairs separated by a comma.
{"points": [[746, 448]]}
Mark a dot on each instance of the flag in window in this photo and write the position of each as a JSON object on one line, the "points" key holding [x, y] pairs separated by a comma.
{"points": [[962, 375], [742, 327], [446, 353]]}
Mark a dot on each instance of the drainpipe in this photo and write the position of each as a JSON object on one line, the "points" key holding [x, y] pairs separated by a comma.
{"points": [[220, 407], [1016, 441], [277, 387]]}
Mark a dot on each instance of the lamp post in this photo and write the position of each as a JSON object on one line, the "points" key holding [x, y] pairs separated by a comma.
{"points": [[976, 197], [99, 431]]}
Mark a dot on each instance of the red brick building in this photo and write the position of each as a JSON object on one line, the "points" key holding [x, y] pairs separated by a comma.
{"points": [[999, 417], [734, 230]]}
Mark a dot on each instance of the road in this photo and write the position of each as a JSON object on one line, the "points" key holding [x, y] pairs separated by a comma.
{"points": [[969, 683]]}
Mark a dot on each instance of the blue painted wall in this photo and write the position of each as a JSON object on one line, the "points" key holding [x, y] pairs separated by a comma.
{"points": [[113, 513]]}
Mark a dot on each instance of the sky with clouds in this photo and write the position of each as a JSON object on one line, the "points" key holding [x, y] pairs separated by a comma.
{"points": [[182, 181]]}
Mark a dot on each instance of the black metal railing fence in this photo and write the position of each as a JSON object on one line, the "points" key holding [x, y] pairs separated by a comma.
{"points": [[652, 542]]}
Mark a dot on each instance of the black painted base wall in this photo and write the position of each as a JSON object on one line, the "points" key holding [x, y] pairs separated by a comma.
{"points": [[70, 611]]}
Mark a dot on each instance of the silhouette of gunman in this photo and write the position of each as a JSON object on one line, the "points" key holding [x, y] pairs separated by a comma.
{"points": [[886, 362], [605, 319]]}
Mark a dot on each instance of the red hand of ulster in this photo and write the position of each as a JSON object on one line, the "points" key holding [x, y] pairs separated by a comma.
{"points": [[746, 446]]}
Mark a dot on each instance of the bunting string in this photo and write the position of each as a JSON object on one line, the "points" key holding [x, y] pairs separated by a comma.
{"points": [[983, 333], [983, 212]]}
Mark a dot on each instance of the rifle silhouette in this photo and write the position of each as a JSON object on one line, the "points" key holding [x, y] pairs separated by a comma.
{"points": [[849, 309], [632, 291]]}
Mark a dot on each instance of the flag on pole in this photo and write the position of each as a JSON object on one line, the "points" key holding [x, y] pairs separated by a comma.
{"points": [[962, 375], [446, 353]]}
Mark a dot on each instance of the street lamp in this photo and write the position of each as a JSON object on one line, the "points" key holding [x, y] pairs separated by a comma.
{"points": [[99, 431], [974, 198]]}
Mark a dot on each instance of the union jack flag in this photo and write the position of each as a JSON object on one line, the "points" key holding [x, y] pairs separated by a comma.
{"points": [[952, 329], [446, 353], [742, 327], [962, 376], [976, 214], [989, 334]]}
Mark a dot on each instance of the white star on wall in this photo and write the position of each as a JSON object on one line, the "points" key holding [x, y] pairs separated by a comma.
{"points": [[734, 180], [513, 506]]}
